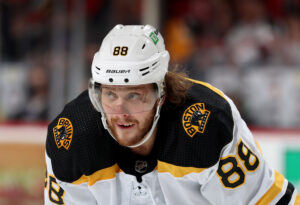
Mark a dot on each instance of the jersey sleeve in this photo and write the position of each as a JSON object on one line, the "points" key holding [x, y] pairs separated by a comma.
{"points": [[243, 175], [60, 192]]}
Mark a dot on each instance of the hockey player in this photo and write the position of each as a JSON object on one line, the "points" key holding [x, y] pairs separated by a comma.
{"points": [[144, 135]]}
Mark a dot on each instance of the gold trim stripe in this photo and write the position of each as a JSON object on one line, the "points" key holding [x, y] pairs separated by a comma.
{"points": [[103, 174], [216, 90], [273, 191], [110, 172], [258, 146], [297, 201], [177, 171]]}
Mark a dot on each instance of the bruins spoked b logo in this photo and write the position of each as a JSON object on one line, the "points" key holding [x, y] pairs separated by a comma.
{"points": [[194, 119], [63, 133]]}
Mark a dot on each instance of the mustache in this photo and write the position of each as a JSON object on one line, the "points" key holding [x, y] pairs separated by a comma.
{"points": [[128, 120]]}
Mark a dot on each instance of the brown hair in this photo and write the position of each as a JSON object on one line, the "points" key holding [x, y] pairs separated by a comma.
{"points": [[177, 86]]}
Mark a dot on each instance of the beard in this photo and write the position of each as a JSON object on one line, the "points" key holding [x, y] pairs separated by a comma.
{"points": [[130, 137]]}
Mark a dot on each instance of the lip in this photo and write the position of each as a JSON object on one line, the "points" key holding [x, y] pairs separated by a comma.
{"points": [[124, 127]]}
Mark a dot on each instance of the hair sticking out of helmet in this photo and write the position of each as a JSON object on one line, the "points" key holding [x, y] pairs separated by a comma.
{"points": [[129, 55]]}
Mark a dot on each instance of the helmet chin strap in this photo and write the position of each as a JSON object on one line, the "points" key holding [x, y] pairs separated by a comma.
{"points": [[148, 135]]}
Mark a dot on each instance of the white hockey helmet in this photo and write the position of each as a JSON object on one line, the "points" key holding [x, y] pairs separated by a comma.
{"points": [[130, 55]]}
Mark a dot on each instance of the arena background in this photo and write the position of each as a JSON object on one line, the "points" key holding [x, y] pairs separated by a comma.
{"points": [[250, 49]]}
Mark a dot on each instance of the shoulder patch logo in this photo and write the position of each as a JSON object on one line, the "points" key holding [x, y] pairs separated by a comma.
{"points": [[63, 133], [194, 119]]}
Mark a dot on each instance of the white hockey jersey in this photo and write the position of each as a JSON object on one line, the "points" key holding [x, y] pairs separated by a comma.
{"points": [[203, 154]]}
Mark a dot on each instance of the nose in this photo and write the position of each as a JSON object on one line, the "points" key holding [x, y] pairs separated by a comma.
{"points": [[120, 107], [121, 110], [122, 115]]}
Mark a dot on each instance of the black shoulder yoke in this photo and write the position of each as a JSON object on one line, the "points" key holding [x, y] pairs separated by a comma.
{"points": [[194, 134], [77, 143]]}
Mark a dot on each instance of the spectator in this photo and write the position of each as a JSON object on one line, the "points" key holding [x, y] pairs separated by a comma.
{"points": [[289, 47], [250, 40], [36, 106]]}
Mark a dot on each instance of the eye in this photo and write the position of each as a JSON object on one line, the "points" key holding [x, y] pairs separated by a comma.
{"points": [[133, 96], [110, 95]]}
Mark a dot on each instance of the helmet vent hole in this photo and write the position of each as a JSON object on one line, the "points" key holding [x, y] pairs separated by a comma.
{"points": [[143, 69], [145, 73], [111, 80], [126, 80], [97, 68], [144, 46]]}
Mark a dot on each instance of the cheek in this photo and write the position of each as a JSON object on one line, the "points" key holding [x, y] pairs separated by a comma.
{"points": [[146, 119], [109, 119]]}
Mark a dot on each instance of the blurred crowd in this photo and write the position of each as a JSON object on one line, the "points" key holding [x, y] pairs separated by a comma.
{"points": [[240, 33], [250, 49]]}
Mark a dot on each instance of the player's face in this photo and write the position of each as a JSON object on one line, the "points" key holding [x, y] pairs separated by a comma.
{"points": [[129, 111]]}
